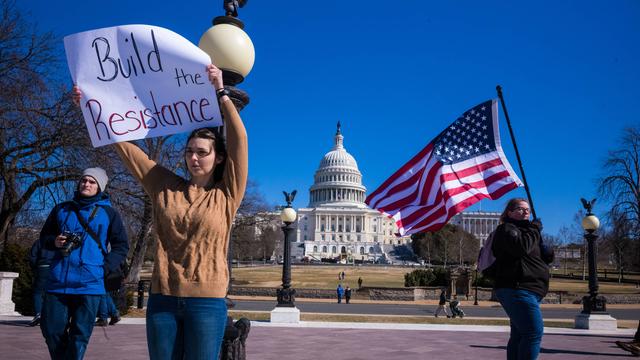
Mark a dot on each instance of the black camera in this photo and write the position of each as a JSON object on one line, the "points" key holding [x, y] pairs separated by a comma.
{"points": [[73, 242]]}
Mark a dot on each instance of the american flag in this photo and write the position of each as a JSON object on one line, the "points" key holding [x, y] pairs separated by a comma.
{"points": [[462, 165]]}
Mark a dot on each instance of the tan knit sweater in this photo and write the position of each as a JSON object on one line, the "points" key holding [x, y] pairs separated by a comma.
{"points": [[192, 222]]}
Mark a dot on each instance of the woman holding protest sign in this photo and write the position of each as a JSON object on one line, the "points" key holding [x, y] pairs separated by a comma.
{"points": [[522, 277], [186, 312]]}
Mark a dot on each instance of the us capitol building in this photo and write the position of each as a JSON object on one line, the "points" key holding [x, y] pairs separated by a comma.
{"points": [[337, 224]]}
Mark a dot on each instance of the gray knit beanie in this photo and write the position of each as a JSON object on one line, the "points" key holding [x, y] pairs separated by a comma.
{"points": [[99, 174]]}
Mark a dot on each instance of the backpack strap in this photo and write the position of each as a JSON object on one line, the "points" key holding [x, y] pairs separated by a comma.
{"points": [[89, 230]]}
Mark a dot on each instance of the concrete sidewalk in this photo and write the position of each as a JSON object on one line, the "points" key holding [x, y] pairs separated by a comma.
{"points": [[336, 341]]}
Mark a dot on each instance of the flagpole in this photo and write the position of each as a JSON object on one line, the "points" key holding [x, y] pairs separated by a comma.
{"points": [[513, 140]]}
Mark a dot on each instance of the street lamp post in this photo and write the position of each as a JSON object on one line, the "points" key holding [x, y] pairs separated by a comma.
{"points": [[286, 295], [594, 307], [285, 310], [231, 50], [592, 302]]}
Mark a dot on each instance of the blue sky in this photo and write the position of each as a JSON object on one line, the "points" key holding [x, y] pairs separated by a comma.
{"points": [[397, 75]]}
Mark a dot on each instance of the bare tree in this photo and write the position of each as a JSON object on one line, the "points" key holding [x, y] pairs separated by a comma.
{"points": [[445, 245], [41, 132], [251, 215], [269, 237], [621, 184]]}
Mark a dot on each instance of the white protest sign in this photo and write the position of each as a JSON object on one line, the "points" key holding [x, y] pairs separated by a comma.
{"points": [[140, 81]]}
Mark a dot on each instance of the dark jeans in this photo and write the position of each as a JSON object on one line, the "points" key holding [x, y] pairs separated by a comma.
{"points": [[185, 327], [67, 323], [523, 309], [107, 308], [39, 286]]}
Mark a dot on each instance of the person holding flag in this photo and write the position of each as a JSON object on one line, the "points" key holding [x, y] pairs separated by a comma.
{"points": [[522, 277], [464, 164]]}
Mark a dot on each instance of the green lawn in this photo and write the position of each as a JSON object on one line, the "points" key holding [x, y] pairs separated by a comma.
{"points": [[326, 277], [320, 277]]}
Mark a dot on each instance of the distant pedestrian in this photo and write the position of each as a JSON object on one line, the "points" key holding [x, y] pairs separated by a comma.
{"points": [[347, 294], [359, 283], [339, 276], [343, 275], [107, 309], [442, 303], [40, 259], [340, 293]]}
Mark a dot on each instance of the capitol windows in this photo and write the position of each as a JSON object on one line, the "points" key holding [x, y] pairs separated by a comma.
{"points": [[315, 249], [334, 250], [322, 228], [375, 228], [324, 249], [333, 227], [358, 237], [305, 236], [340, 238], [323, 239], [333, 237], [362, 250], [371, 250], [348, 237]]}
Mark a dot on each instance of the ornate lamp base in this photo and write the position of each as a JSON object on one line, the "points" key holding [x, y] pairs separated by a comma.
{"points": [[594, 304], [286, 297]]}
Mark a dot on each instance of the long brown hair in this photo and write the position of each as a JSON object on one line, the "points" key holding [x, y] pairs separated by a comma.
{"points": [[219, 146], [511, 205]]}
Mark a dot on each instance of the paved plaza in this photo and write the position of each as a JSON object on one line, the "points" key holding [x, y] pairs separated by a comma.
{"points": [[335, 341]]}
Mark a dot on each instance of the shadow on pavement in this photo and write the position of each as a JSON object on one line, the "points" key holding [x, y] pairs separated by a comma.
{"points": [[556, 351]]}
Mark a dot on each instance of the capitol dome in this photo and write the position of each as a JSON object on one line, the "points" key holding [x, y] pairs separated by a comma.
{"points": [[337, 182]]}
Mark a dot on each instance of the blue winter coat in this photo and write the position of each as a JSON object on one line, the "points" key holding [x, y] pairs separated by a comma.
{"points": [[82, 271]]}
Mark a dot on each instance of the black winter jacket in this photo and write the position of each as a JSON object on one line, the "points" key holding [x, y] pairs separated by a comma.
{"points": [[521, 258]]}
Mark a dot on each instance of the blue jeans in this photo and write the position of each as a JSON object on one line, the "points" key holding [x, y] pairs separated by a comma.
{"points": [[107, 307], [523, 309], [67, 323], [185, 327], [39, 285]]}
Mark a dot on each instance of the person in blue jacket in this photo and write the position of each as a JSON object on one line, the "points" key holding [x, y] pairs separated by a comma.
{"points": [[340, 292], [76, 278], [40, 259]]}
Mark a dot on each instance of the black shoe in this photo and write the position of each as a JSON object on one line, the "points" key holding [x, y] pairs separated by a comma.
{"points": [[115, 319], [102, 322], [35, 321]]}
